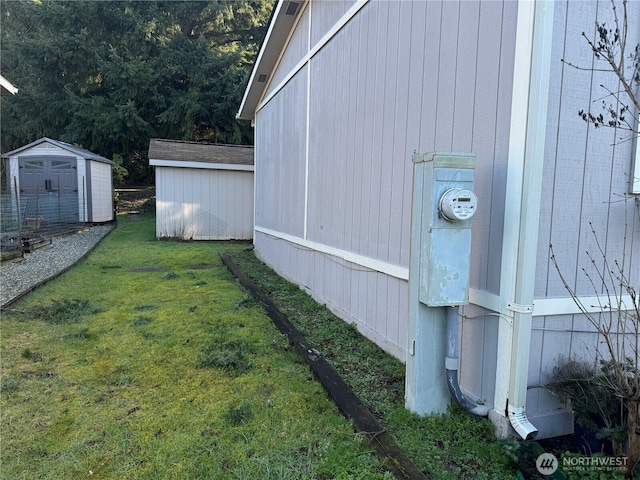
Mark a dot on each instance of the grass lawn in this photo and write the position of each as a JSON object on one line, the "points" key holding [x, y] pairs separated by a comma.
{"points": [[148, 361], [454, 446]]}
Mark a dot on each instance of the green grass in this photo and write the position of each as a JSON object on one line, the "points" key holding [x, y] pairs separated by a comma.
{"points": [[452, 446], [114, 372]]}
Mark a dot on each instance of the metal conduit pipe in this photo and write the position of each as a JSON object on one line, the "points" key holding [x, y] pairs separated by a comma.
{"points": [[451, 366]]}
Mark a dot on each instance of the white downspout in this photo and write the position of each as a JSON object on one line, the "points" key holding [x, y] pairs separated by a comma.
{"points": [[522, 206]]}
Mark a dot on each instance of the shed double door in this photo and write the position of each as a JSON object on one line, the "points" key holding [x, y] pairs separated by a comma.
{"points": [[49, 186]]}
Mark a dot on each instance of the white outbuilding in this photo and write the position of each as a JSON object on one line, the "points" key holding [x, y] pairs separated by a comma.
{"points": [[203, 191], [59, 184]]}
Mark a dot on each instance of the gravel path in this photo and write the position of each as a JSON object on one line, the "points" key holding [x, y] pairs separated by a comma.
{"points": [[21, 277]]}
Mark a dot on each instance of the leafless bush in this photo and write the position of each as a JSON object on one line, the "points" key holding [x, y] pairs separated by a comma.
{"points": [[610, 385]]}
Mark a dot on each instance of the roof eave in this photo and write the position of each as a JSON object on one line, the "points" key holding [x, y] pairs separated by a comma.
{"points": [[6, 87], [279, 29], [84, 153], [25, 147]]}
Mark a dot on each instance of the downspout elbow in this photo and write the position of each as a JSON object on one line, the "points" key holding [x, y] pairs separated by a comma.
{"points": [[520, 423], [458, 396]]}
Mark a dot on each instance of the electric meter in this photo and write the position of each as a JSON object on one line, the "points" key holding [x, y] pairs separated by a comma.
{"points": [[457, 204]]}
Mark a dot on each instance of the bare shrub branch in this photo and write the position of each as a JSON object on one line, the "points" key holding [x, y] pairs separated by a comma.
{"points": [[609, 46]]}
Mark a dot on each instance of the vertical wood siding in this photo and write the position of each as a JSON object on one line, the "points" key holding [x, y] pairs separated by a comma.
{"points": [[280, 159], [101, 192], [586, 169], [586, 175], [478, 359], [202, 204], [324, 15], [422, 76], [295, 50], [380, 90]]}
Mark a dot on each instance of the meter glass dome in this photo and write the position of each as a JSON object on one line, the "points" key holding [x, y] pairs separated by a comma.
{"points": [[457, 204]]}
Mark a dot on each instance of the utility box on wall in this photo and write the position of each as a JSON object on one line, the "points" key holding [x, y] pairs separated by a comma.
{"points": [[442, 207], [445, 241]]}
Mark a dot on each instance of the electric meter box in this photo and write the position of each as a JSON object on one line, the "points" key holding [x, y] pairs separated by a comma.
{"points": [[443, 190]]}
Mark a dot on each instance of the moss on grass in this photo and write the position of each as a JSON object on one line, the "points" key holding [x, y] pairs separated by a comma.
{"points": [[232, 356], [61, 311], [119, 392], [447, 447]]}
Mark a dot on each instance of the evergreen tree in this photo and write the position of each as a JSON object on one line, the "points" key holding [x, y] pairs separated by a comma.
{"points": [[110, 75]]}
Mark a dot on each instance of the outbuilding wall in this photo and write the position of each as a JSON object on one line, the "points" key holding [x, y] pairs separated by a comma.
{"points": [[204, 203], [100, 191]]}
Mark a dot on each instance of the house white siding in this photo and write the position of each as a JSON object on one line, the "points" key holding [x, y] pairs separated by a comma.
{"points": [[587, 170], [335, 134], [296, 50], [280, 195], [586, 179], [375, 95]]}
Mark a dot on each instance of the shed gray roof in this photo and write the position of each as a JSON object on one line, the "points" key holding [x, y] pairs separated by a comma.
{"points": [[81, 152], [200, 152]]}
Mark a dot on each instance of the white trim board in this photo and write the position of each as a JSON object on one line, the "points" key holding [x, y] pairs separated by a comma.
{"points": [[567, 306], [279, 27], [355, 8], [8, 86], [307, 133], [548, 306], [481, 298], [635, 180], [367, 262], [201, 165]]}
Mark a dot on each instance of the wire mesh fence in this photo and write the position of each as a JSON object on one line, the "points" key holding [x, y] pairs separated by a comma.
{"points": [[10, 227], [25, 218]]}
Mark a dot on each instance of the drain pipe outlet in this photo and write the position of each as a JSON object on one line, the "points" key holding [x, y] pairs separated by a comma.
{"points": [[520, 423], [451, 365]]}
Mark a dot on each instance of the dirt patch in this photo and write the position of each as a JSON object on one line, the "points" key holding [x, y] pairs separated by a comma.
{"points": [[206, 266], [147, 269], [135, 198]]}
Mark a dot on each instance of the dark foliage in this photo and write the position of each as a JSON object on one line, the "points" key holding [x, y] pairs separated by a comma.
{"points": [[108, 76]]}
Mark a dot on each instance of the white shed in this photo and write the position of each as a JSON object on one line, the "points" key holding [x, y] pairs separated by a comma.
{"points": [[60, 183], [342, 95], [203, 191]]}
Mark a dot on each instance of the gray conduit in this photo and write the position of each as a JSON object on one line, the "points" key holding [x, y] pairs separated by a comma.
{"points": [[451, 365]]}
